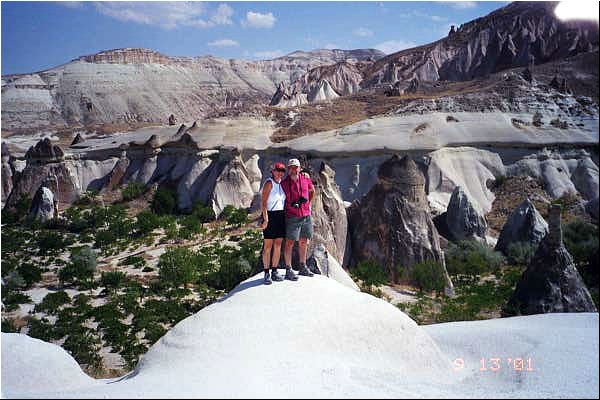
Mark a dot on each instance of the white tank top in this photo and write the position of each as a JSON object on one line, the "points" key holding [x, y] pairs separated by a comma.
{"points": [[276, 200]]}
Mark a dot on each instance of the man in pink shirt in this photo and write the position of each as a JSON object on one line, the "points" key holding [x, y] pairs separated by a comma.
{"points": [[299, 192]]}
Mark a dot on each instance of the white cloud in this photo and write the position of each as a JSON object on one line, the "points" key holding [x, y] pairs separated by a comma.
{"points": [[362, 32], [392, 46], [223, 43], [420, 14], [268, 54], [462, 5], [71, 4], [258, 20], [166, 14], [223, 15]]}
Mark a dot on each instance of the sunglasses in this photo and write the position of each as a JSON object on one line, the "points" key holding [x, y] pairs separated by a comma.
{"points": [[280, 169]]}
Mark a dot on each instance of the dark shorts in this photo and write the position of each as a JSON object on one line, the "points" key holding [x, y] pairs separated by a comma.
{"points": [[276, 226], [298, 227]]}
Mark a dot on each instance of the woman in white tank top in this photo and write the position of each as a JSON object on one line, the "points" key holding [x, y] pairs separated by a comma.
{"points": [[273, 226]]}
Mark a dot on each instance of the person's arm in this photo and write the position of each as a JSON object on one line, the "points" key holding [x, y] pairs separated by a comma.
{"points": [[265, 196], [311, 191]]}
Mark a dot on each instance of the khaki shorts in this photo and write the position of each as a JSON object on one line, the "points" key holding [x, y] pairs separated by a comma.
{"points": [[298, 227]]}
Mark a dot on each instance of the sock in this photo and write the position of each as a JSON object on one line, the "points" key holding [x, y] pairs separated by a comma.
{"points": [[274, 269]]}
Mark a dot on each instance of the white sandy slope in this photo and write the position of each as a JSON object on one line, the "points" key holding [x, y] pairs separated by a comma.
{"points": [[401, 133], [318, 338]]}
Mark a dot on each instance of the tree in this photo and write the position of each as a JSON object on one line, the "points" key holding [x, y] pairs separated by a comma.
{"points": [[132, 191], [370, 273], [204, 214], [164, 201], [428, 275], [177, 266], [81, 267], [147, 221]]}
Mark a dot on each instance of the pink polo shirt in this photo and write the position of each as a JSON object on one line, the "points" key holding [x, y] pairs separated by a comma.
{"points": [[293, 191]]}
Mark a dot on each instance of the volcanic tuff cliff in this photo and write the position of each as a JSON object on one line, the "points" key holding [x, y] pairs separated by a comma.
{"points": [[140, 85]]}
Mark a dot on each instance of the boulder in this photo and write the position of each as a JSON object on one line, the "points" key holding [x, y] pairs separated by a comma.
{"points": [[551, 283], [172, 120], [43, 206], [462, 218], [525, 224], [392, 223], [77, 140]]}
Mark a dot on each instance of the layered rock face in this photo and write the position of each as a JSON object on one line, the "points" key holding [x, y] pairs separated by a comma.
{"points": [[43, 205], [330, 222], [463, 220], [512, 36], [140, 85], [551, 282], [525, 224], [392, 224]]}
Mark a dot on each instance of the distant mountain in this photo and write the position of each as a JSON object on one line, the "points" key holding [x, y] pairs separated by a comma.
{"points": [[517, 35], [142, 85]]}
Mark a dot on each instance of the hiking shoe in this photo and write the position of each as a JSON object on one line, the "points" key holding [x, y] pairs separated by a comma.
{"points": [[302, 270], [267, 279], [275, 275], [289, 274]]}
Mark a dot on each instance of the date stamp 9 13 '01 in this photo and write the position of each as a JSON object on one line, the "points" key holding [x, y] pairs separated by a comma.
{"points": [[494, 364]]}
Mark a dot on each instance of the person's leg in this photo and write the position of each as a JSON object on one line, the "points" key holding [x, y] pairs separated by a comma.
{"points": [[305, 235], [302, 246], [268, 244], [266, 255], [275, 259], [287, 253]]}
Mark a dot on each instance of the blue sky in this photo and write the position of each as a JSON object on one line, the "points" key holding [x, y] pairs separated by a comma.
{"points": [[41, 35]]}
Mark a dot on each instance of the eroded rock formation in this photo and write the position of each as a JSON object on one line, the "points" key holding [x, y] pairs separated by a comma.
{"points": [[392, 223], [525, 224], [551, 282], [43, 206], [462, 218]]}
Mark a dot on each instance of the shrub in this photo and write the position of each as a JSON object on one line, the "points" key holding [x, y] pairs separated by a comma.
{"points": [[147, 221], [233, 269], [50, 242], [227, 212], [14, 280], [472, 258], [81, 266], [12, 299], [136, 261], [52, 302], [177, 266], [370, 273], [112, 279], [238, 217], [164, 201], [204, 214], [84, 346], [30, 273], [132, 191], [428, 275], [581, 240], [520, 253], [42, 329], [8, 326], [499, 181], [190, 226]]}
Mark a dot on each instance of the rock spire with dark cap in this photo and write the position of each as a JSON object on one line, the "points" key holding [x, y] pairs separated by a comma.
{"points": [[551, 282], [392, 223]]}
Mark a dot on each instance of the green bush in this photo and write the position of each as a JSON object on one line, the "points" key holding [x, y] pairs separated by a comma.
{"points": [[12, 299], [428, 275], [177, 266], [81, 267], [132, 191], [112, 279], [42, 329], [204, 214], [190, 227], [147, 221], [520, 253], [581, 240], [52, 302], [30, 273], [164, 201], [472, 258], [136, 261], [50, 242], [8, 326], [227, 212], [233, 268], [238, 217], [84, 346], [14, 281], [370, 273]]}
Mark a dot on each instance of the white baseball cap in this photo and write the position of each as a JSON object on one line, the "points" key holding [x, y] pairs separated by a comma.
{"points": [[294, 161]]}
